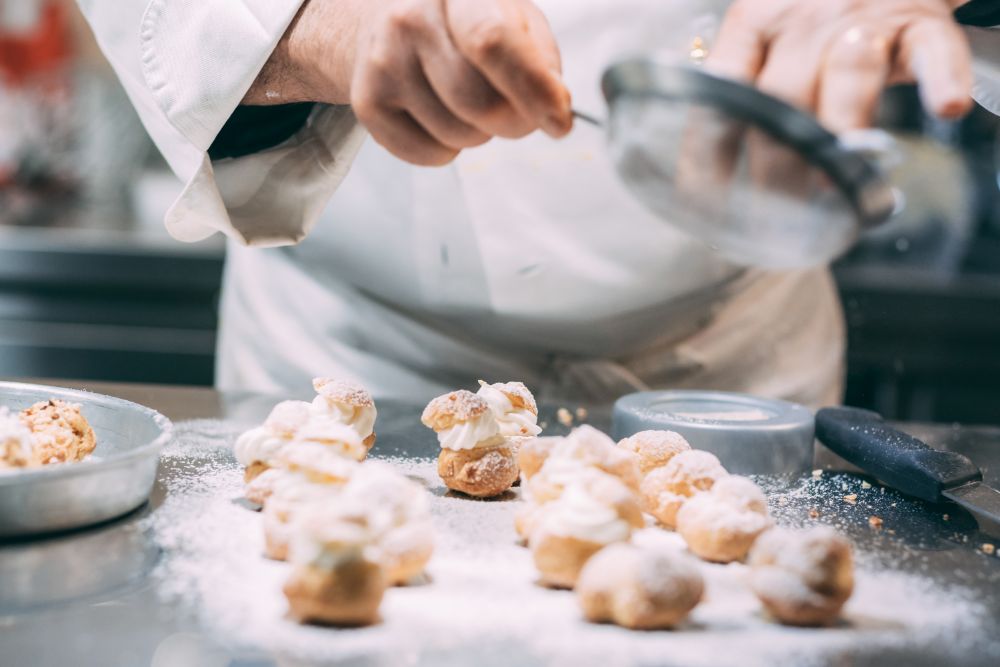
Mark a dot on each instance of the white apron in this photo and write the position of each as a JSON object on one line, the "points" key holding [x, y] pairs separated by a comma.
{"points": [[525, 260]]}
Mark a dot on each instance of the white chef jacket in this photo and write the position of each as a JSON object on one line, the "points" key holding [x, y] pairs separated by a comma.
{"points": [[522, 260]]}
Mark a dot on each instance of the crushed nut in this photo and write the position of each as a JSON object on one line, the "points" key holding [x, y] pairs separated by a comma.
{"points": [[817, 473], [945, 517], [564, 416], [813, 513], [851, 498], [988, 549], [865, 485], [581, 414], [875, 522]]}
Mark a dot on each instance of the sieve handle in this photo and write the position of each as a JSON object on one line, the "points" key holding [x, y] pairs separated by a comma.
{"points": [[587, 118]]}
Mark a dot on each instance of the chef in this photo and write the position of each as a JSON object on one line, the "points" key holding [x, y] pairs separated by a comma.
{"points": [[395, 217]]}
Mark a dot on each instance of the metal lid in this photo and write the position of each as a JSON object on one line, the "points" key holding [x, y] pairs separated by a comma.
{"points": [[749, 434]]}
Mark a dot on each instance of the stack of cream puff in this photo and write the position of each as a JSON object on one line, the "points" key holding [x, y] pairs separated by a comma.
{"points": [[45, 433], [342, 416], [719, 515], [581, 495], [480, 435], [350, 527]]}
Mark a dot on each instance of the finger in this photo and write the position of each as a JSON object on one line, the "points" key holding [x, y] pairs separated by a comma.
{"points": [[739, 48], [541, 33], [494, 38], [402, 136], [465, 93], [935, 53], [791, 70], [853, 76], [423, 104]]}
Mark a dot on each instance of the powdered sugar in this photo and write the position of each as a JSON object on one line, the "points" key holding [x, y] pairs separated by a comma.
{"points": [[482, 605]]}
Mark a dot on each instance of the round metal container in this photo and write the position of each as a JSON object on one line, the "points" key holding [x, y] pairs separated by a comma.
{"points": [[116, 479], [750, 435]]}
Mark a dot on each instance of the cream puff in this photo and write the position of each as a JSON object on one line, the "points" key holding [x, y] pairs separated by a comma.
{"points": [[334, 579], [654, 449], [802, 577], [348, 403], [309, 474], [589, 515], [399, 517], [513, 406], [532, 454], [665, 489], [475, 459], [257, 448], [61, 433], [640, 588], [17, 444], [721, 524], [585, 447]]}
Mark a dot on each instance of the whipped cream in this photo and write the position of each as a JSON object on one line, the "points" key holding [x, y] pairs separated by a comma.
{"points": [[264, 443], [392, 500], [584, 448], [361, 418], [512, 422], [295, 487], [16, 442], [477, 432], [331, 433], [325, 537], [287, 417], [317, 462], [258, 444], [578, 514]]}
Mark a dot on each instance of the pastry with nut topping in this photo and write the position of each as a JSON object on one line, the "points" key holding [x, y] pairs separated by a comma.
{"points": [[61, 433], [17, 444]]}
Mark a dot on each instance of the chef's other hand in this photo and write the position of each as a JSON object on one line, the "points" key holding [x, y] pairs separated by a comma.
{"points": [[835, 57], [427, 78]]}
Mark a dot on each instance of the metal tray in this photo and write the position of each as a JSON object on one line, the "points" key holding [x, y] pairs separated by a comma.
{"points": [[115, 480]]}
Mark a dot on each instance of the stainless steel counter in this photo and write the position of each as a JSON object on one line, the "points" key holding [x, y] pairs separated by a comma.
{"points": [[87, 598]]}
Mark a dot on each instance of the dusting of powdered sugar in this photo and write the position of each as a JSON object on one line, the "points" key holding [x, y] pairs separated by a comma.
{"points": [[481, 605]]}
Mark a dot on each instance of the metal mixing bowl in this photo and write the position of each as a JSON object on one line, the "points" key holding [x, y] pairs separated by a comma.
{"points": [[115, 480]]}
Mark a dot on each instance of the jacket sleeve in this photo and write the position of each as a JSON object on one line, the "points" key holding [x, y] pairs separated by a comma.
{"points": [[186, 65], [980, 19]]}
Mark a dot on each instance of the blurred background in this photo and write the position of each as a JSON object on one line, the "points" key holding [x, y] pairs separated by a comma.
{"points": [[91, 286]]}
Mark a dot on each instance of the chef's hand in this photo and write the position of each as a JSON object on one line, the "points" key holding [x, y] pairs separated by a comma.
{"points": [[835, 57], [426, 77]]}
